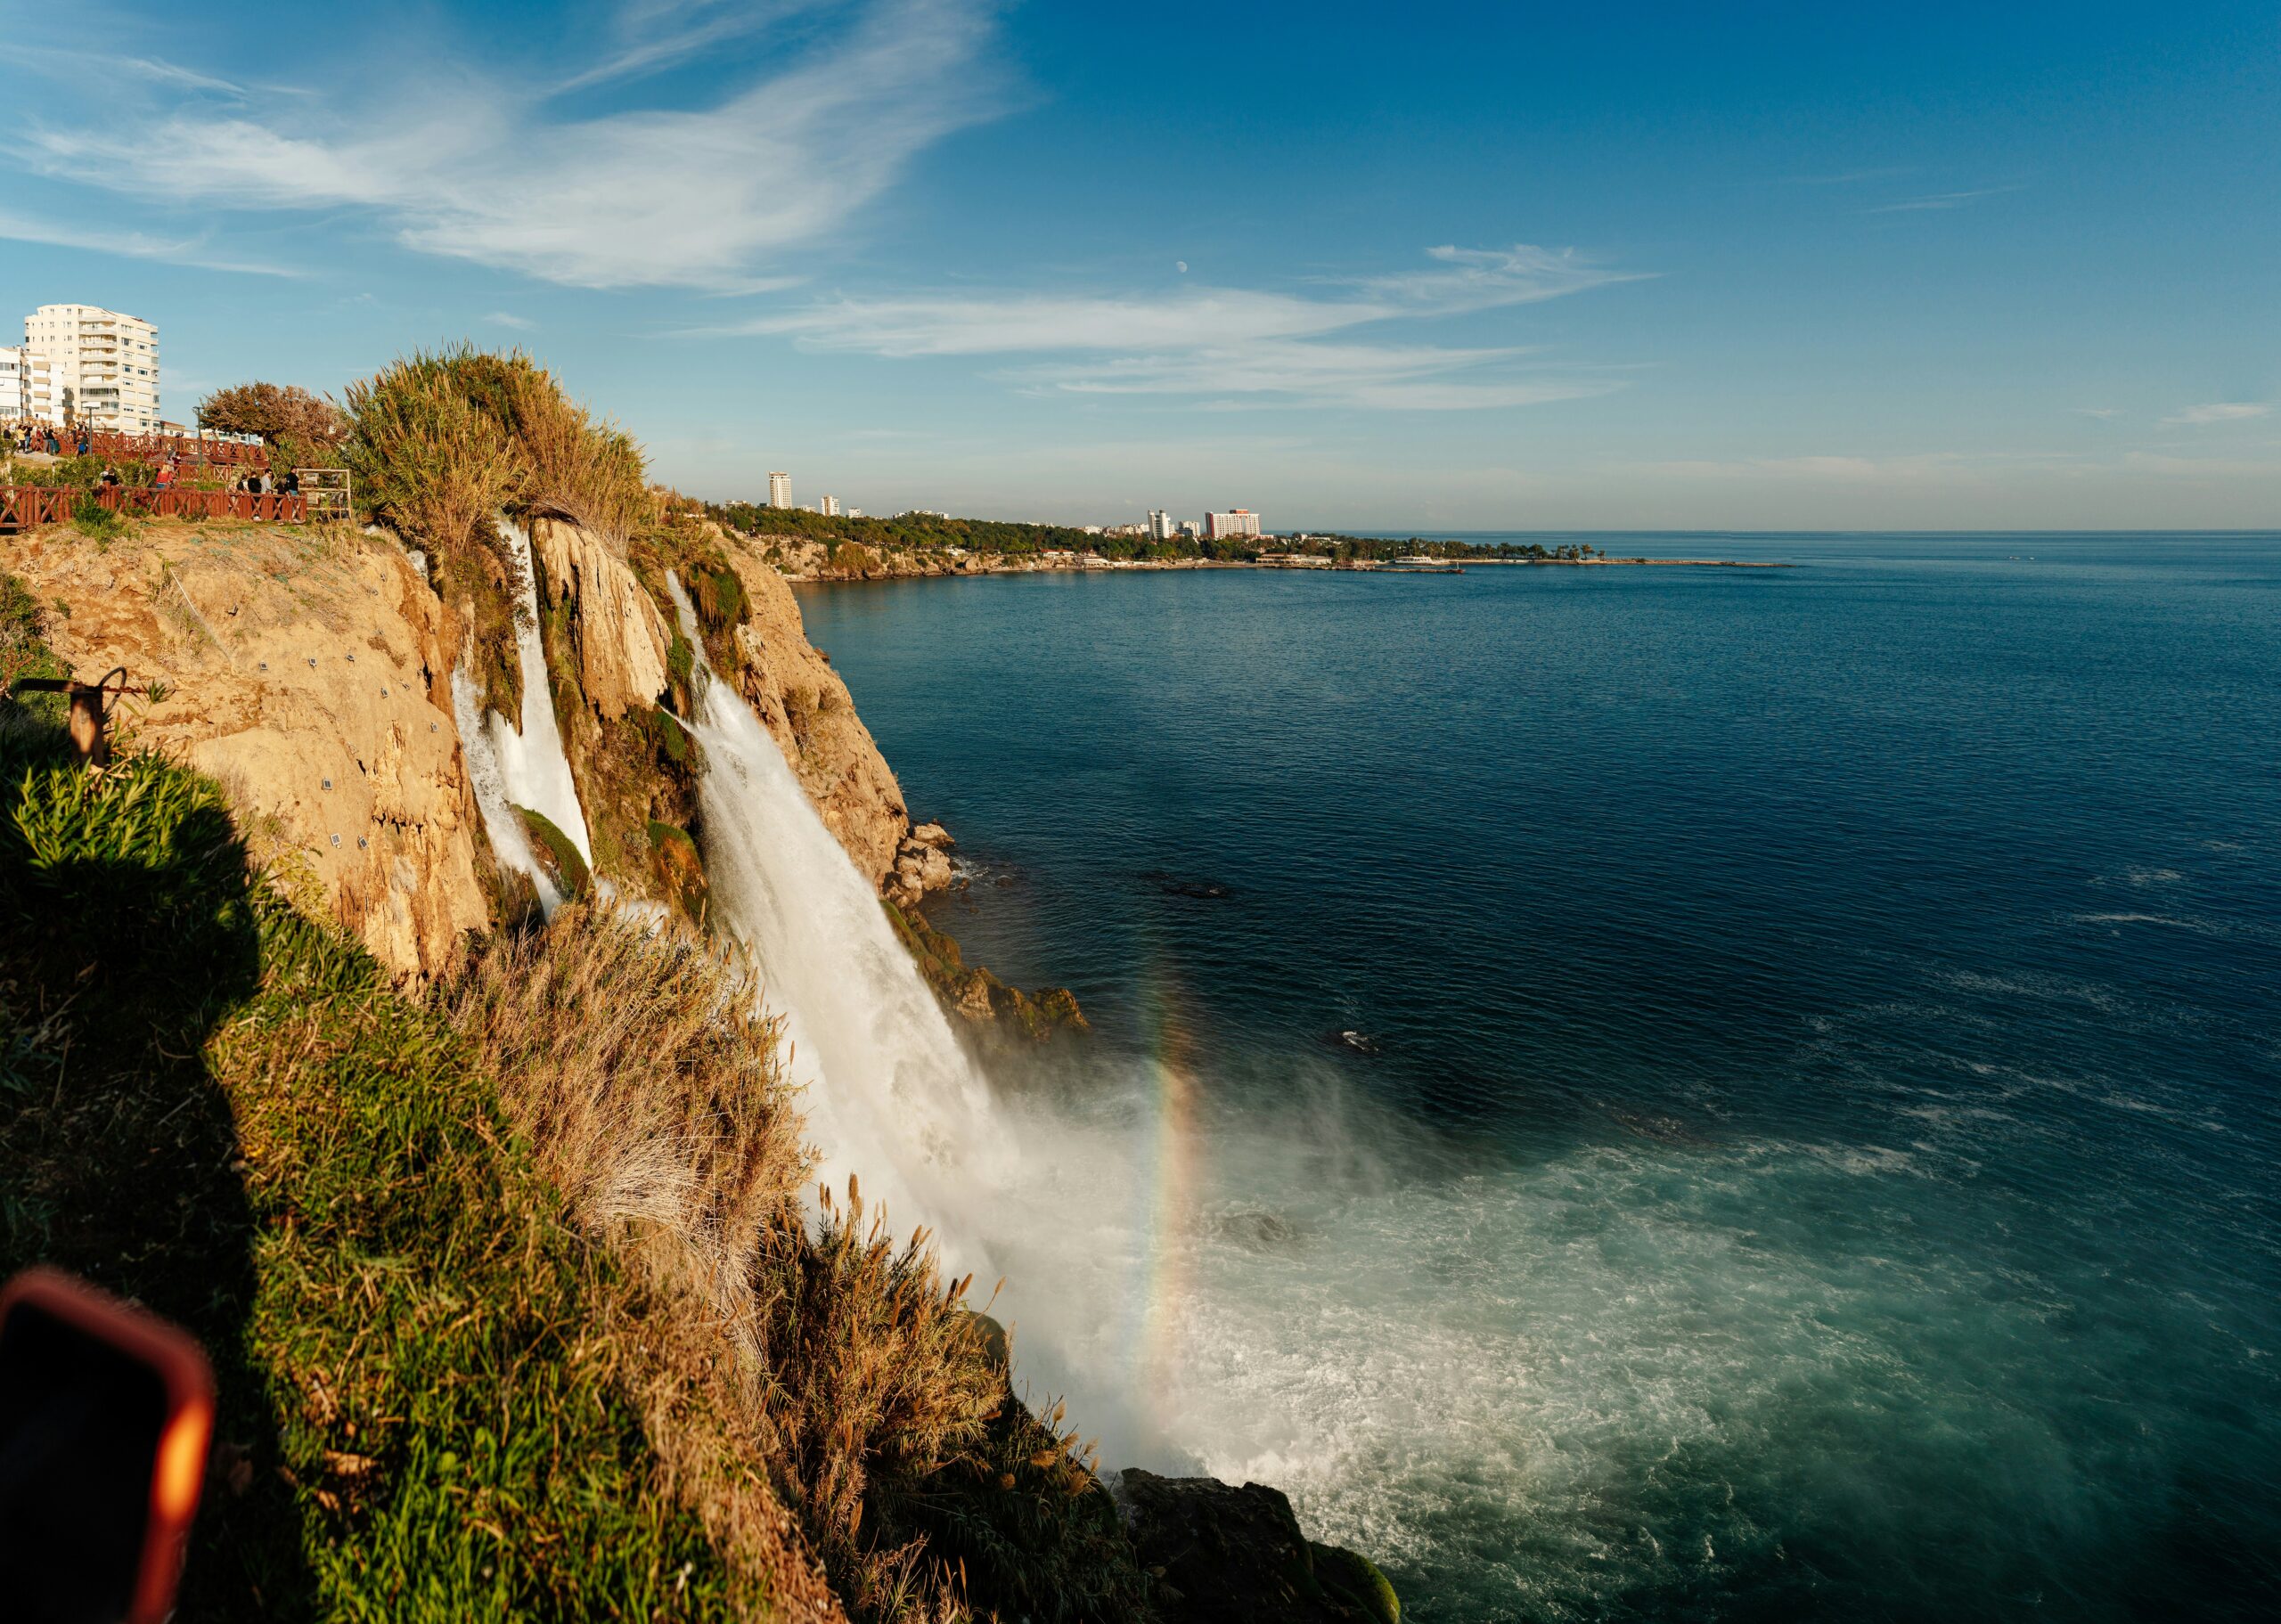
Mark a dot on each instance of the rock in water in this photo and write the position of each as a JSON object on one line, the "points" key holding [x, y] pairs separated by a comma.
{"points": [[1229, 1555]]}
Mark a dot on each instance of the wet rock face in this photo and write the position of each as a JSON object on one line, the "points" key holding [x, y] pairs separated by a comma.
{"points": [[1229, 1555]]}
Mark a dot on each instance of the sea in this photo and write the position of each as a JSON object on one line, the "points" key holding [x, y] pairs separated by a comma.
{"points": [[1661, 1093]]}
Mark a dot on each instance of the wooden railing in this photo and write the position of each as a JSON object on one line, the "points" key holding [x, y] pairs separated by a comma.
{"points": [[24, 506], [155, 448]]}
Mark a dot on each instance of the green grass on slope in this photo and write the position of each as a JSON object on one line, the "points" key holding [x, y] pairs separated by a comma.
{"points": [[211, 1105]]}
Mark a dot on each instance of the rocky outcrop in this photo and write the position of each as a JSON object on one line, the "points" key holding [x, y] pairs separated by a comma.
{"points": [[1229, 1555], [622, 641], [304, 669]]}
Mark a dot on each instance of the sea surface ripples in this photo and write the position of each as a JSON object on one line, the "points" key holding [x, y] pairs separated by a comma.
{"points": [[1821, 1150]]}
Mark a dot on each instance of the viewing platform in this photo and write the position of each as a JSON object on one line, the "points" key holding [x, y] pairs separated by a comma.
{"points": [[25, 507]]}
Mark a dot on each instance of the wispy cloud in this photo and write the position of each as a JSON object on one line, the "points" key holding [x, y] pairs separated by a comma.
{"points": [[56, 60], [653, 34], [1852, 177], [474, 167], [1941, 199], [133, 245], [1232, 341], [2220, 412], [2098, 411], [500, 318]]}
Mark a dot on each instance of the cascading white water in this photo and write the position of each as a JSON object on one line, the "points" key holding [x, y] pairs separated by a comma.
{"points": [[510, 768], [1087, 1212], [895, 1099]]}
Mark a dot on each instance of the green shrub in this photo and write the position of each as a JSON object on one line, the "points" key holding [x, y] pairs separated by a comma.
{"points": [[718, 594], [96, 522], [429, 460]]}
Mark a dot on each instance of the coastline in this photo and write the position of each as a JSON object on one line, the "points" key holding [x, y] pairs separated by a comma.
{"points": [[803, 561]]}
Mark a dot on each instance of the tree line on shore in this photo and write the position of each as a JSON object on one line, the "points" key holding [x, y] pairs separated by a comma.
{"points": [[934, 533]]}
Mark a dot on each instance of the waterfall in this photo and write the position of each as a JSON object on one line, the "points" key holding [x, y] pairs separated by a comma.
{"points": [[1056, 1204], [895, 1100], [510, 768]]}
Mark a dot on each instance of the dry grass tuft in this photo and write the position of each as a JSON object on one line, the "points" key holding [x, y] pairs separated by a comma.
{"points": [[650, 1095], [657, 1104], [876, 1375]]}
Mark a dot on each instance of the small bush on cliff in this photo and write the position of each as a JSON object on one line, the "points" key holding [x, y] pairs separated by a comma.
{"points": [[476, 423], [24, 652], [276, 413], [429, 460]]}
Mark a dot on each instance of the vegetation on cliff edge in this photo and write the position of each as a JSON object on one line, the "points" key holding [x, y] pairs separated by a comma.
{"points": [[511, 1300]]}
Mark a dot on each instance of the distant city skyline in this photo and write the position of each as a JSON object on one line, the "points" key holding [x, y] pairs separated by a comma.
{"points": [[1515, 267]]}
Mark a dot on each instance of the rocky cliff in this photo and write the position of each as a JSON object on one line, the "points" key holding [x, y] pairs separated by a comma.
{"points": [[307, 670], [303, 670]]}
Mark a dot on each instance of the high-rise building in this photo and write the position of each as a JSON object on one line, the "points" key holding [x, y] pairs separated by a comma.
{"points": [[780, 490], [831, 507], [26, 386], [1161, 528], [1219, 526], [106, 365]]}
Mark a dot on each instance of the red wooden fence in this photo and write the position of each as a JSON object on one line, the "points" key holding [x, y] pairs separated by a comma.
{"points": [[23, 506], [155, 447]]}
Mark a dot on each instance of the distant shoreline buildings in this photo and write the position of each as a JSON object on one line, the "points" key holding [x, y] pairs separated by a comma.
{"points": [[1231, 524]]}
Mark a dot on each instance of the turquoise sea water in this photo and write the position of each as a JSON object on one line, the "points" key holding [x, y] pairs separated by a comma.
{"points": [[1820, 1156]]}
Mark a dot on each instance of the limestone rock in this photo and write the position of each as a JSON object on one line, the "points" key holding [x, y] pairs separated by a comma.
{"points": [[305, 672], [931, 834], [622, 639]]}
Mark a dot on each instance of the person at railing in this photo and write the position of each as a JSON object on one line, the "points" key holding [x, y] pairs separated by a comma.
{"points": [[110, 476], [164, 479], [54, 447], [86, 443], [291, 485]]}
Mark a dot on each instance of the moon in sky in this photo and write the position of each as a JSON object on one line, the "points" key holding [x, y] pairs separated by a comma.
{"points": [[1180, 265]]}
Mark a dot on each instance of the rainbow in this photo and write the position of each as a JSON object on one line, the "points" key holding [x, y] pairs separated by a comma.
{"points": [[1168, 1197]]}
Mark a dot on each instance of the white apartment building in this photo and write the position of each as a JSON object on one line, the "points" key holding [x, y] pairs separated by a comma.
{"points": [[1161, 528], [1219, 526], [780, 490], [831, 507], [26, 386], [106, 364]]}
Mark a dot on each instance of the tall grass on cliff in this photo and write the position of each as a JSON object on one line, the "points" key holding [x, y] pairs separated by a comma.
{"points": [[874, 1402], [487, 431], [428, 458], [213, 1104]]}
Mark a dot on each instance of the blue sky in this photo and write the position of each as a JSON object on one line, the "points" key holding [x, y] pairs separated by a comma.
{"points": [[1429, 265]]}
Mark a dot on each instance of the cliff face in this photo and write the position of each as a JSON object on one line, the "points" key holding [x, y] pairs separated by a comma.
{"points": [[305, 671]]}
